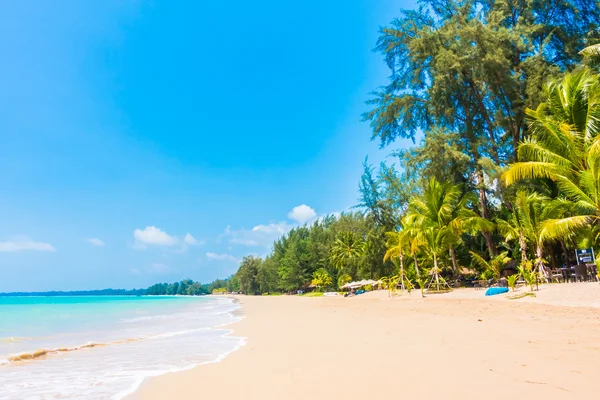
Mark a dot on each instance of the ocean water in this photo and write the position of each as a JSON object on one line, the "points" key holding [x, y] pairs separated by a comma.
{"points": [[103, 347]]}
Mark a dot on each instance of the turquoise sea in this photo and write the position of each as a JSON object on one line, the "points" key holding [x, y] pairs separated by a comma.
{"points": [[103, 347]]}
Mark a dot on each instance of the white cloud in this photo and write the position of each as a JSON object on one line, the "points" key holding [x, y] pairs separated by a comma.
{"points": [[135, 271], [264, 235], [279, 228], [95, 241], [260, 235], [189, 239], [153, 236], [25, 244], [160, 268], [302, 213], [224, 256]]}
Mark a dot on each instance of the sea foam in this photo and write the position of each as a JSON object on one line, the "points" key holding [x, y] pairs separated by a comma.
{"points": [[113, 358]]}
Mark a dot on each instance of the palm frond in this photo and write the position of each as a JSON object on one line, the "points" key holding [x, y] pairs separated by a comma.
{"points": [[480, 261], [563, 227], [531, 149], [591, 51], [528, 170], [572, 189]]}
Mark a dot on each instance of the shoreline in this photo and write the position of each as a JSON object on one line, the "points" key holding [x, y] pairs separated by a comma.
{"points": [[459, 342], [103, 350], [237, 313]]}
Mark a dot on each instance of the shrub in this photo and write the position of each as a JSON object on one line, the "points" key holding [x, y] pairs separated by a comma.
{"points": [[512, 281]]}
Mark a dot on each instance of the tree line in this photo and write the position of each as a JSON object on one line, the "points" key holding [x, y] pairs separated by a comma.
{"points": [[504, 97], [189, 287]]}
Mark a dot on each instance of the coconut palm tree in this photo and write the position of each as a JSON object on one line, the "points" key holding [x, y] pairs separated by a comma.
{"points": [[435, 247], [514, 227], [565, 147], [397, 247], [444, 207], [495, 265], [321, 278], [346, 248], [527, 221], [413, 237]]}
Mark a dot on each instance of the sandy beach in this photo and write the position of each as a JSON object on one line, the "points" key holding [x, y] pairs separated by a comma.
{"points": [[457, 345]]}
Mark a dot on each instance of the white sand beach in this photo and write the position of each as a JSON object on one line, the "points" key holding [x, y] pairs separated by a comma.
{"points": [[455, 345]]}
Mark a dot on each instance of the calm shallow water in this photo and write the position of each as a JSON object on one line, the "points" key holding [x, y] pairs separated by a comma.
{"points": [[101, 347]]}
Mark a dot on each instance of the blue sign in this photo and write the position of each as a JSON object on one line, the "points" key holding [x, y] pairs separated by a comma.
{"points": [[585, 256]]}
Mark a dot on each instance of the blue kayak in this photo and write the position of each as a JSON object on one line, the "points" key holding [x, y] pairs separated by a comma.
{"points": [[496, 290]]}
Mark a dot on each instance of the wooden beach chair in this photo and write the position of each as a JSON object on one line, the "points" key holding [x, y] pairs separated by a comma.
{"points": [[555, 275], [581, 273]]}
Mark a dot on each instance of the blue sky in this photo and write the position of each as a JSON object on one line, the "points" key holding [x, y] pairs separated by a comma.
{"points": [[147, 141]]}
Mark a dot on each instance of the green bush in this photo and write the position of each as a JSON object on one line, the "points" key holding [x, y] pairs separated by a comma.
{"points": [[512, 281]]}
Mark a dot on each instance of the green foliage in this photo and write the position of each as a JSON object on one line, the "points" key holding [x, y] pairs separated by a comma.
{"points": [[439, 217], [564, 148], [184, 287], [441, 155], [463, 73], [408, 285], [321, 278], [487, 274], [267, 276], [494, 267], [470, 66], [342, 248], [422, 281], [348, 247], [390, 283], [490, 181], [592, 56], [512, 281], [247, 275], [343, 279], [233, 284], [191, 288], [529, 276]]}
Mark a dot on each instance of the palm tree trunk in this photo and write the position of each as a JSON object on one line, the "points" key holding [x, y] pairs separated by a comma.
{"points": [[480, 185], [553, 256], [435, 270], [401, 272], [565, 254], [416, 265], [454, 264], [523, 248], [483, 207], [539, 253]]}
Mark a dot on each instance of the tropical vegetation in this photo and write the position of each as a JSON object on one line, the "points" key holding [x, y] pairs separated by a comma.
{"points": [[501, 100]]}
